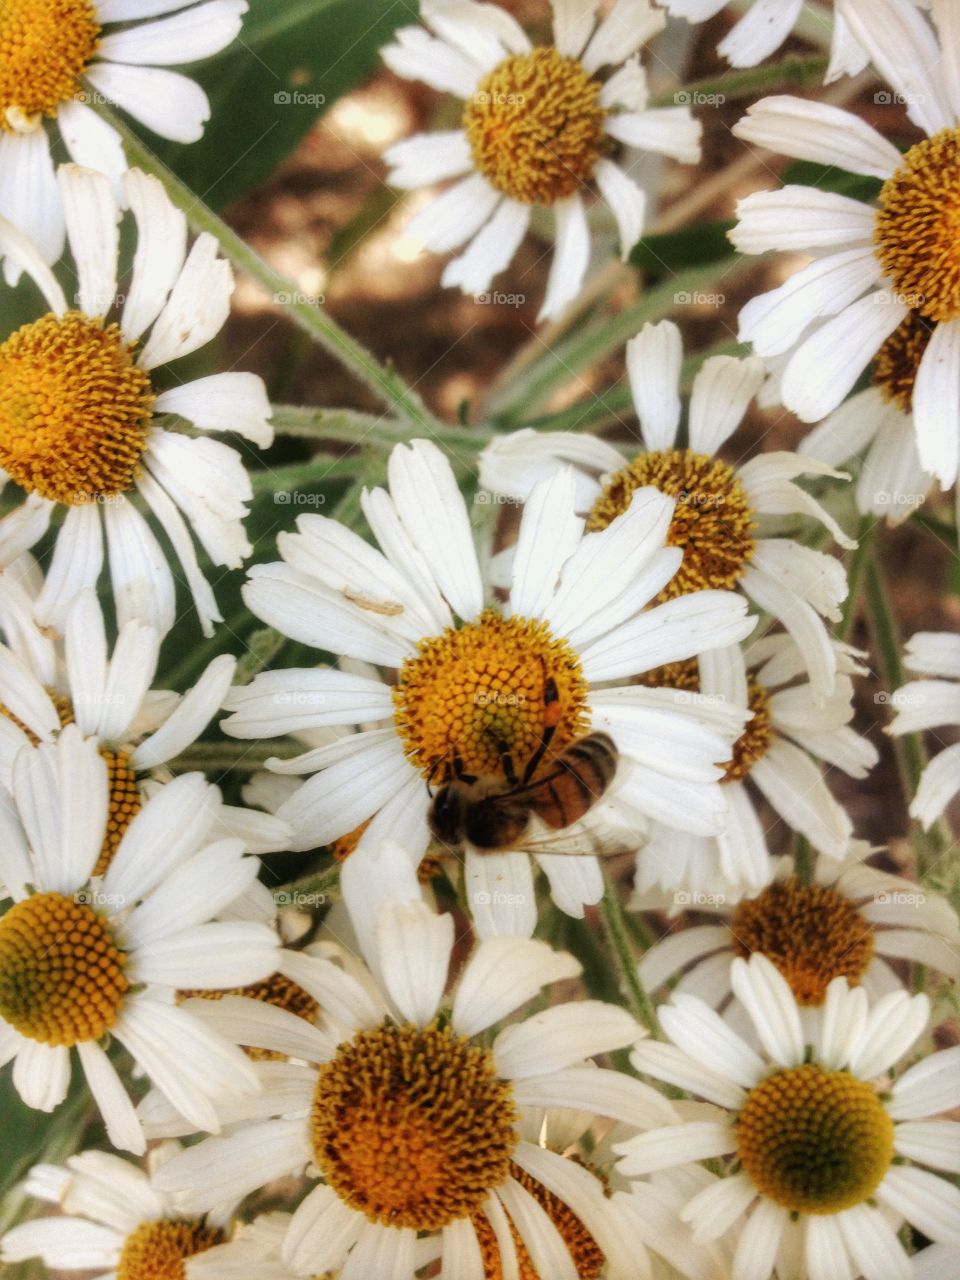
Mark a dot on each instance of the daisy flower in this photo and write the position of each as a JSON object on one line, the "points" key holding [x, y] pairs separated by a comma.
{"points": [[884, 284], [537, 126], [46, 684], [401, 1066], [80, 418], [58, 55], [718, 505], [83, 955], [825, 1145], [111, 1221], [783, 749], [892, 484], [929, 704], [474, 685], [765, 26], [849, 922]]}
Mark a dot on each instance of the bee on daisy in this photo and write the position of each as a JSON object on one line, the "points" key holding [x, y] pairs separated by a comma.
{"points": [[719, 507], [86, 434], [110, 1220], [540, 127], [403, 1064], [884, 286], [58, 56], [830, 1144], [483, 694], [84, 956]]}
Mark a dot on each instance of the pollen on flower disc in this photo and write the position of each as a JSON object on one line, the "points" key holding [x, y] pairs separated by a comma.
{"points": [[814, 1141], [712, 522], [45, 45], [536, 127], [74, 409], [413, 1127], [61, 972], [811, 933], [917, 229], [478, 692], [158, 1250]]}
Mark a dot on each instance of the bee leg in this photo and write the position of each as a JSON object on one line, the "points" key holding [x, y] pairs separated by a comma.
{"points": [[507, 765], [466, 778]]}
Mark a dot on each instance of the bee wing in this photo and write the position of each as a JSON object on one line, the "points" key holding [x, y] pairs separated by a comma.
{"points": [[594, 835]]}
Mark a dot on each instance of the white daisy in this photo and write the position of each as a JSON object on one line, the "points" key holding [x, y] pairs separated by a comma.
{"points": [[474, 686], [404, 1068], [884, 284], [84, 955], [718, 503], [825, 1146], [536, 128], [782, 753], [892, 484], [768, 23], [45, 684], [848, 922], [80, 424], [111, 1221], [930, 704], [58, 55]]}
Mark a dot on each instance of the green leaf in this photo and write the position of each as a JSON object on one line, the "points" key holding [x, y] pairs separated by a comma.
{"points": [[291, 62], [829, 178], [691, 247]]}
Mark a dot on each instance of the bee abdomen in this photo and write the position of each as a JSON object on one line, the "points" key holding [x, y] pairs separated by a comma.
{"points": [[576, 780]]}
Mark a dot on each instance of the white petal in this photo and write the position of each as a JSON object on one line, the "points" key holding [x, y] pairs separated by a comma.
{"points": [[503, 974], [415, 946], [722, 391], [759, 1241], [929, 1087], [41, 1075], [926, 1201], [936, 404], [30, 199], [500, 893], [197, 32], [676, 1144], [454, 217], [766, 994], [561, 1037], [160, 253], [819, 132], [223, 402], [669, 131], [800, 218], [571, 256], [653, 364], [141, 579], [760, 32], [169, 104], [627, 201], [92, 219], [427, 158], [119, 1114], [490, 251], [196, 309], [190, 717], [76, 564], [893, 1025]]}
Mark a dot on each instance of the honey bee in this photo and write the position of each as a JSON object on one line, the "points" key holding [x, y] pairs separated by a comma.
{"points": [[483, 813]]}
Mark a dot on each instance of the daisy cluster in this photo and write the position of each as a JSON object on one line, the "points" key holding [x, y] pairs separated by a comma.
{"points": [[484, 900]]}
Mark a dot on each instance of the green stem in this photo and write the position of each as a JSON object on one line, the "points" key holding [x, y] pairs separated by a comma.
{"points": [[320, 468], [347, 427], [803, 860], [322, 328], [793, 71], [855, 572], [911, 756], [618, 937], [221, 757], [312, 890]]}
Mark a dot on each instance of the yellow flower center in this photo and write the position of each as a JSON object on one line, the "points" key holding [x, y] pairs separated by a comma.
{"points": [[61, 972], [586, 1254], [157, 1250], [278, 990], [713, 522], [413, 1127], [812, 934], [757, 737], [478, 694], [74, 409], [535, 126], [896, 364], [124, 804], [815, 1141], [917, 229], [45, 45]]}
